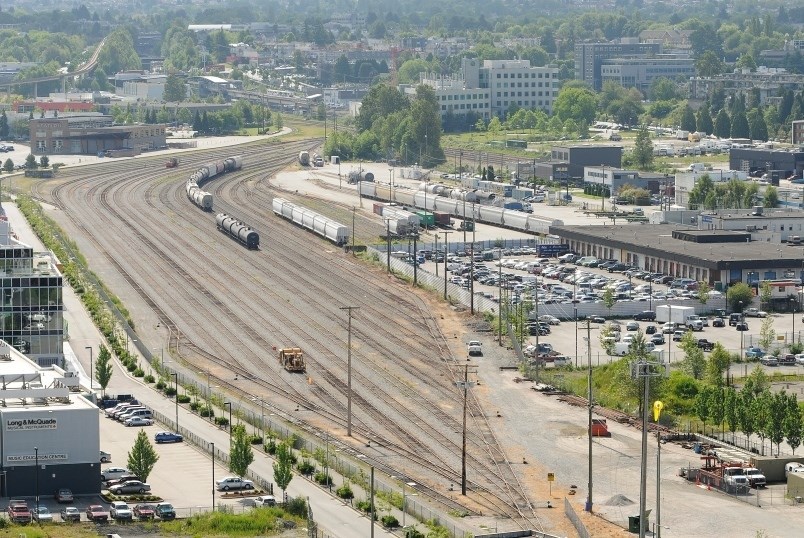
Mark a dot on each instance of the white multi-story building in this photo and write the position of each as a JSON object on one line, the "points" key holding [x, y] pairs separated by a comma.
{"points": [[493, 87]]}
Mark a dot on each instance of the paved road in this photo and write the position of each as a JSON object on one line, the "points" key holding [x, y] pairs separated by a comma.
{"points": [[194, 491]]}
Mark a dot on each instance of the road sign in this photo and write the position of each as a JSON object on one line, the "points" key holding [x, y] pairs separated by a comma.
{"points": [[551, 477]]}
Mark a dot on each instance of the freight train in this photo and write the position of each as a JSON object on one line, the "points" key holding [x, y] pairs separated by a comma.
{"points": [[304, 158], [195, 193], [238, 231], [315, 222], [455, 202]]}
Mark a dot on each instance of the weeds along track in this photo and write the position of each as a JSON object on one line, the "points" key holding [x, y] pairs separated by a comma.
{"points": [[232, 307]]}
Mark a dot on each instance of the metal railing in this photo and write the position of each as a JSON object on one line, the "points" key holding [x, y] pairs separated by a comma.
{"points": [[569, 511]]}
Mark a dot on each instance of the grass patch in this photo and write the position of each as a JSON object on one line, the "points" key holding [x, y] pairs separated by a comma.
{"points": [[257, 522]]}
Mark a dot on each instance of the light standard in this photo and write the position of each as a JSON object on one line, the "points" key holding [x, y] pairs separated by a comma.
{"points": [[464, 385], [212, 450], [446, 252], [793, 310], [176, 380], [230, 418], [404, 496], [349, 371], [742, 346], [262, 415], [36, 463], [91, 376]]}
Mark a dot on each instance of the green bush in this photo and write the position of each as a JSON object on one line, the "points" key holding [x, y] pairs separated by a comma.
{"points": [[131, 366], [270, 447], [195, 406], [345, 492], [323, 478], [306, 467], [170, 391], [183, 398], [149, 378], [255, 439], [160, 385], [413, 533], [365, 506], [221, 421], [389, 522], [206, 411], [139, 373], [297, 506]]}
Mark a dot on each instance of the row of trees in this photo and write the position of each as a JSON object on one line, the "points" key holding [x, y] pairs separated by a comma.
{"points": [[730, 194]]}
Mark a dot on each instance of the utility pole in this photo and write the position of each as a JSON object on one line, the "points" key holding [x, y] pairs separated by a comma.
{"points": [[415, 260], [349, 371], [644, 370], [472, 280], [446, 253], [388, 238], [590, 406], [435, 251], [464, 385]]}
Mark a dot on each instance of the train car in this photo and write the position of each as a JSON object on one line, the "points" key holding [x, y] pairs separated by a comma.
{"points": [[233, 163], [490, 215], [367, 189], [446, 205], [238, 231], [200, 198], [310, 220], [382, 191], [425, 200], [515, 219], [197, 179], [404, 196], [304, 158]]}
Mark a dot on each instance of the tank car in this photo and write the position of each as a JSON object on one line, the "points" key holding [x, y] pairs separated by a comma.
{"points": [[238, 231]]}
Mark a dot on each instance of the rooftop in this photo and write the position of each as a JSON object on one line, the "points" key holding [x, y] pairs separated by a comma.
{"points": [[24, 384]]}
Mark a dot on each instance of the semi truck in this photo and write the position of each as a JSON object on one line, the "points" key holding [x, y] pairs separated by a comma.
{"points": [[676, 314]]}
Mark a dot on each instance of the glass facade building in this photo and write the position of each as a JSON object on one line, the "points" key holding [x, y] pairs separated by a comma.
{"points": [[31, 307]]}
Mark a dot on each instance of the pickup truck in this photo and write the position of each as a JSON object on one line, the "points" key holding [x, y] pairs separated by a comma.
{"points": [[18, 511], [754, 352], [755, 313], [755, 477], [705, 344]]}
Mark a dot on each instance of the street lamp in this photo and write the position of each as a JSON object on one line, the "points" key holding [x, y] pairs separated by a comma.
{"points": [[230, 418], [91, 376], [793, 310], [176, 380], [404, 496], [212, 450], [36, 463]]}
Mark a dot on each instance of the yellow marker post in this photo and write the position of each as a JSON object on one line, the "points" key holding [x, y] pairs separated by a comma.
{"points": [[657, 411]]}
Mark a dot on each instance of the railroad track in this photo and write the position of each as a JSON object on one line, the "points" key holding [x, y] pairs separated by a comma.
{"points": [[190, 296]]}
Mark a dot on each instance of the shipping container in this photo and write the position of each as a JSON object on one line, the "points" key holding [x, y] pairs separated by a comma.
{"points": [[426, 219], [441, 219], [378, 208]]}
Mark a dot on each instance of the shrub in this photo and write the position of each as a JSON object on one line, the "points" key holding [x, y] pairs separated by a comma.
{"points": [[296, 506], [345, 492], [170, 391], [160, 385], [413, 533], [131, 366], [139, 373], [306, 468], [221, 421], [389, 522], [183, 398], [270, 447], [323, 478], [365, 506], [255, 439], [149, 378], [206, 411], [195, 406]]}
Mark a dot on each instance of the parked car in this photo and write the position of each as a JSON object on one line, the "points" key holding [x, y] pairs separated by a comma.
{"points": [[168, 437], [800, 359], [769, 360], [96, 512], [718, 322], [755, 477], [120, 511], [658, 339], [165, 511], [144, 511], [735, 318], [18, 511], [787, 359], [552, 320], [70, 513], [122, 480], [42, 514], [678, 335], [645, 315], [138, 421], [755, 313], [741, 326], [632, 326], [754, 352], [650, 329], [233, 482], [705, 344], [134, 486], [111, 473], [63, 495], [105, 457]]}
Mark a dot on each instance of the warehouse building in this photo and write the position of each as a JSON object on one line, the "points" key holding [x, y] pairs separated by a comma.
{"points": [[50, 436], [582, 155], [31, 306], [719, 257], [92, 134], [756, 161]]}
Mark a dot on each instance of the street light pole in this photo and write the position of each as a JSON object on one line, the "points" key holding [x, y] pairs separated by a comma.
{"points": [[590, 406], [349, 371], [212, 448], [91, 376], [36, 463], [176, 380], [446, 252]]}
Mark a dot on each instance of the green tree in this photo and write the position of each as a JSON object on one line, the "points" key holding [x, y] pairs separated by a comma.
{"points": [[703, 187], [118, 52], [704, 121], [30, 162], [703, 291], [175, 90], [688, 122], [760, 407], [643, 149], [104, 368], [719, 360], [709, 64], [142, 457], [776, 418], [717, 406], [745, 418], [746, 61], [739, 296], [793, 428], [4, 129], [694, 361], [609, 298], [283, 466], [240, 453], [409, 71], [731, 404], [278, 123], [663, 89], [771, 197], [44, 162], [767, 334], [381, 101], [702, 405], [739, 125], [765, 294], [757, 127], [579, 104], [722, 124], [756, 383]]}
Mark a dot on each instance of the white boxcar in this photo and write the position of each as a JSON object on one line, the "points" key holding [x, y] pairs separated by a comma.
{"points": [[515, 219], [367, 188]]}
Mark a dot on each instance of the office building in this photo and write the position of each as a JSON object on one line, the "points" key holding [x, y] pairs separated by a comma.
{"points": [[640, 73], [589, 57]]}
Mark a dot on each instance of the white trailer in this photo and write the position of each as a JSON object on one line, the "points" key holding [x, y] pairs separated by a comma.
{"points": [[677, 314]]}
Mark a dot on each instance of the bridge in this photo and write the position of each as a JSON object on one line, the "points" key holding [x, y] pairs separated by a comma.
{"points": [[86, 67]]}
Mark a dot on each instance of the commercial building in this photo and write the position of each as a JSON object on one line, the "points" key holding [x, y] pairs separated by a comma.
{"points": [[719, 257], [90, 134], [797, 133], [50, 435], [589, 57], [685, 182], [491, 87], [756, 161], [771, 226], [768, 81], [580, 156], [615, 179], [32, 306], [640, 73]]}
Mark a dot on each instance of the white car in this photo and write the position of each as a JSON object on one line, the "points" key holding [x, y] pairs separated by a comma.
{"points": [[42, 514], [474, 347], [233, 482], [121, 510], [265, 500], [800, 359], [113, 472], [139, 421], [552, 320]]}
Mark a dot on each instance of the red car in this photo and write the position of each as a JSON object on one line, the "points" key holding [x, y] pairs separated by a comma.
{"points": [[96, 512], [144, 511]]}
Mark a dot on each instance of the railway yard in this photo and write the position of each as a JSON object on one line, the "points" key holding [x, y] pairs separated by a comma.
{"points": [[224, 310]]}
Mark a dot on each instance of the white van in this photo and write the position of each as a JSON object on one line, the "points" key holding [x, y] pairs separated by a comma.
{"points": [[793, 467], [622, 348]]}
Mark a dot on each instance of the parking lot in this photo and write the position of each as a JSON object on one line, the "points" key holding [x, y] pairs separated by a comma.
{"points": [[514, 273]]}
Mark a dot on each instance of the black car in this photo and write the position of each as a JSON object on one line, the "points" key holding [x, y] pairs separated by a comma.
{"points": [[617, 268], [645, 315], [735, 318], [650, 329], [718, 322], [658, 339], [741, 326], [597, 319]]}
